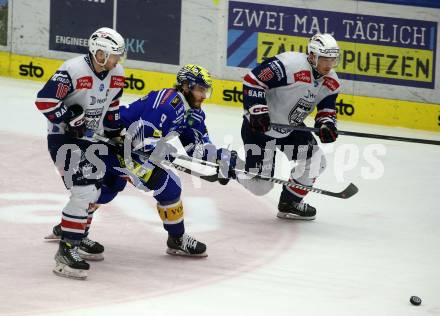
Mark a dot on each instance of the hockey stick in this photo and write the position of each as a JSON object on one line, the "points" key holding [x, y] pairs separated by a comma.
{"points": [[108, 141], [356, 134], [348, 192]]}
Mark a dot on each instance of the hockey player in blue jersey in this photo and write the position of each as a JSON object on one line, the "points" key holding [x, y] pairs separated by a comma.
{"points": [[149, 122], [83, 94]]}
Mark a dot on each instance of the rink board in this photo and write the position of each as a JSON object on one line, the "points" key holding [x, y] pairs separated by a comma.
{"points": [[389, 112]]}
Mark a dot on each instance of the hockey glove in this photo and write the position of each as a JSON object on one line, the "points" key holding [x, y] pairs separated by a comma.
{"points": [[163, 151], [227, 161], [76, 126], [259, 118], [327, 132]]}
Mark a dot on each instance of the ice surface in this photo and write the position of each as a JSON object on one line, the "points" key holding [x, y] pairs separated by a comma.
{"points": [[362, 256]]}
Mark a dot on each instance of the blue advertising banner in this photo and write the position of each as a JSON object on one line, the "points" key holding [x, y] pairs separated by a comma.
{"points": [[73, 21], [417, 3], [373, 48], [3, 22], [151, 28]]}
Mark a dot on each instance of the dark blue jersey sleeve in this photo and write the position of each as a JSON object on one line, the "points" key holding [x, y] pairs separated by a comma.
{"points": [[269, 74], [194, 135], [152, 117], [112, 121], [326, 110], [50, 97]]}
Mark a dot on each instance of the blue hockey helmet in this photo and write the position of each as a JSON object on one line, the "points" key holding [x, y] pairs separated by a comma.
{"points": [[195, 75]]}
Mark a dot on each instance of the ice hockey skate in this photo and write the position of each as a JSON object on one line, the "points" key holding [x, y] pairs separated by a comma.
{"points": [[68, 262], [186, 246], [55, 235], [297, 211], [88, 249]]}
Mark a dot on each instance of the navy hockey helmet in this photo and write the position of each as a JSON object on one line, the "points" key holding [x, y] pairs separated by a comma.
{"points": [[195, 75]]}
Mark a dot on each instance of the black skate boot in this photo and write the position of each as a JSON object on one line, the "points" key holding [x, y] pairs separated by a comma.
{"points": [[186, 246], [88, 249], [91, 250], [294, 210], [56, 234], [68, 262]]}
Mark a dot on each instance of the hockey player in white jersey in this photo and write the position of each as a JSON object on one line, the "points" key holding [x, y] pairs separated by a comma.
{"points": [[82, 97], [285, 89]]}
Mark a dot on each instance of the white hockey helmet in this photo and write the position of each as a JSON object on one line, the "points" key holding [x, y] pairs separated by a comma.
{"points": [[107, 40], [324, 45]]}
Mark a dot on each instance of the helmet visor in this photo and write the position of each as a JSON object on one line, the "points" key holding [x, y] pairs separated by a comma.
{"points": [[202, 90], [333, 62]]}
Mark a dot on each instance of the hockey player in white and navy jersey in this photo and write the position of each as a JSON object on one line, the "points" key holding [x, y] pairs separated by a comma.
{"points": [[285, 89], [82, 97], [150, 121]]}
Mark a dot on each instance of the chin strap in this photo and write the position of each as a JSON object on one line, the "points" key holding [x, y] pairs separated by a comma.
{"points": [[107, 55]]}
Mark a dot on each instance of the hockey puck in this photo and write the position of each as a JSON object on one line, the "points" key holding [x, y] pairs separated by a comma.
{"points": [[415, 300]]}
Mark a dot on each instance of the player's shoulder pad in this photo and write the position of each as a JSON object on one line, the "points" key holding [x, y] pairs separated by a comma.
{"points": [[62, 76], [170, 101], [118, 70], [332, 82], [169, 97], [117, 77], [295, 63], [77, 67], [195, 117]]}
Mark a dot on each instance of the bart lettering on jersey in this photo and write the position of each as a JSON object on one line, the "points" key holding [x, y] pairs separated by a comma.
{"points": [[285, 83], [75, 82]]}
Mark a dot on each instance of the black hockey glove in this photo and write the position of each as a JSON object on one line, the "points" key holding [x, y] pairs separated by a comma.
{"points": [[259, 118], [116, 133], [327, 132], [76, 126], [227, 160]]}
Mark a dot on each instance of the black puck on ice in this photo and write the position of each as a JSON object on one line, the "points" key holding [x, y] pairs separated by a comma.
{"points": [[415, 300]]}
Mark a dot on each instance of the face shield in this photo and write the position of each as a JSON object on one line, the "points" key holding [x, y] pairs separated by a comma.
{"points": [[329, 56], [202, 90]]}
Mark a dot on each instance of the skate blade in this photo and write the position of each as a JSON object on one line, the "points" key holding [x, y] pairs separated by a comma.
{"points": [[65, 271], [90, 256], [52, 237], [291, 216], [175, 252]]}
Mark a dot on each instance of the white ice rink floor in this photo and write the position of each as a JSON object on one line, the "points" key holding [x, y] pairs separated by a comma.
{"points": [[362, 256]]}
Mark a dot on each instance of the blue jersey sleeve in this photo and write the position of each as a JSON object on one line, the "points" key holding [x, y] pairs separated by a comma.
{"points": [[194, 135], [152, 117], [50, 97]]}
